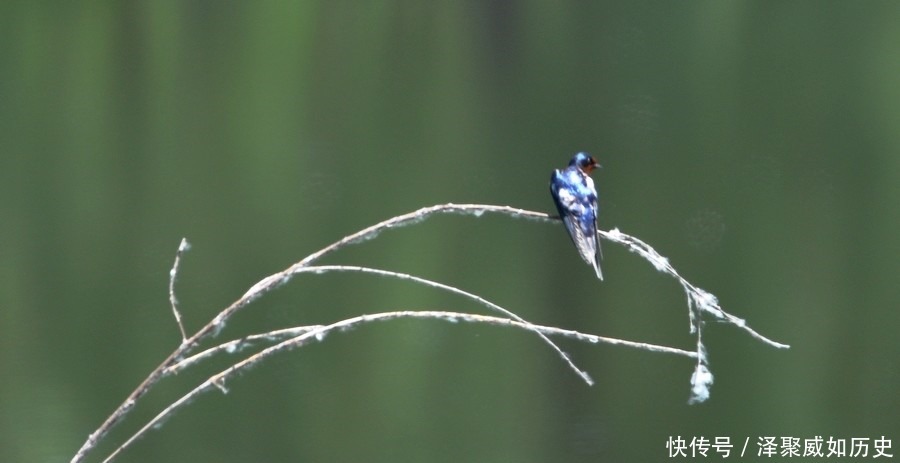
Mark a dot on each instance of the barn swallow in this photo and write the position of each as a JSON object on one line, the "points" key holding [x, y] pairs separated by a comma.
{"points": [[576, 200]]}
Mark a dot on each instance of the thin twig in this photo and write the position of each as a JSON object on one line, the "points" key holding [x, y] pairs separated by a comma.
{"points": [[699, 302], [219, 380], [182, 248], [403, 276], [702, 300], [417, 216], [239, 345], [321, 269]]}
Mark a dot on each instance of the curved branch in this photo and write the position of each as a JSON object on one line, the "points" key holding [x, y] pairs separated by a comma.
{"points": [[269, 283], [220, 379], [699, 301], [320, 269]]}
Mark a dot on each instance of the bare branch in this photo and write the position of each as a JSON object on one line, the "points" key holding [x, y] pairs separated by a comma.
{"points": [[403, 276], [699, 302], [182, 248], [238, 345], [219, 380], [698, 299], [269, 283]]}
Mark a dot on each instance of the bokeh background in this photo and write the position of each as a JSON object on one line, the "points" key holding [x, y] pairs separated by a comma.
{"points": [[755, 144]]}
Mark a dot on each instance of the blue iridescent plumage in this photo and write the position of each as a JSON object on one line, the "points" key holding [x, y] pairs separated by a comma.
{"points": [[576, 200]]}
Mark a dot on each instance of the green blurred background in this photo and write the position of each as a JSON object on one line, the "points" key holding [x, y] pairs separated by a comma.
{"points": [[755, 144]]}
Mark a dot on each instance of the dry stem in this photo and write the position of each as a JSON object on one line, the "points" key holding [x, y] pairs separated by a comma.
{"points": [[699, 301]]}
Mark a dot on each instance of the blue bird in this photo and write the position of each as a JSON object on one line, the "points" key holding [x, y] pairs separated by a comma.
{"points": [[576, 200]]}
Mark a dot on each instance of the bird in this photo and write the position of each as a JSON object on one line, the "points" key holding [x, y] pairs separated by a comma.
{"points": [[576, 200]]}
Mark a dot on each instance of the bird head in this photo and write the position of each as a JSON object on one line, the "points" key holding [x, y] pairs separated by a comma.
{"points": [[585, 162]]}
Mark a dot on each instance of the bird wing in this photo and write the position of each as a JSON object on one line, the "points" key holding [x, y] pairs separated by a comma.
{"points": [[580, 220], [584, 235]]}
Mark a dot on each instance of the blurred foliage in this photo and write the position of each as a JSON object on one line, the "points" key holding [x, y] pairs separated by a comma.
{"points": [[755, 144]]}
